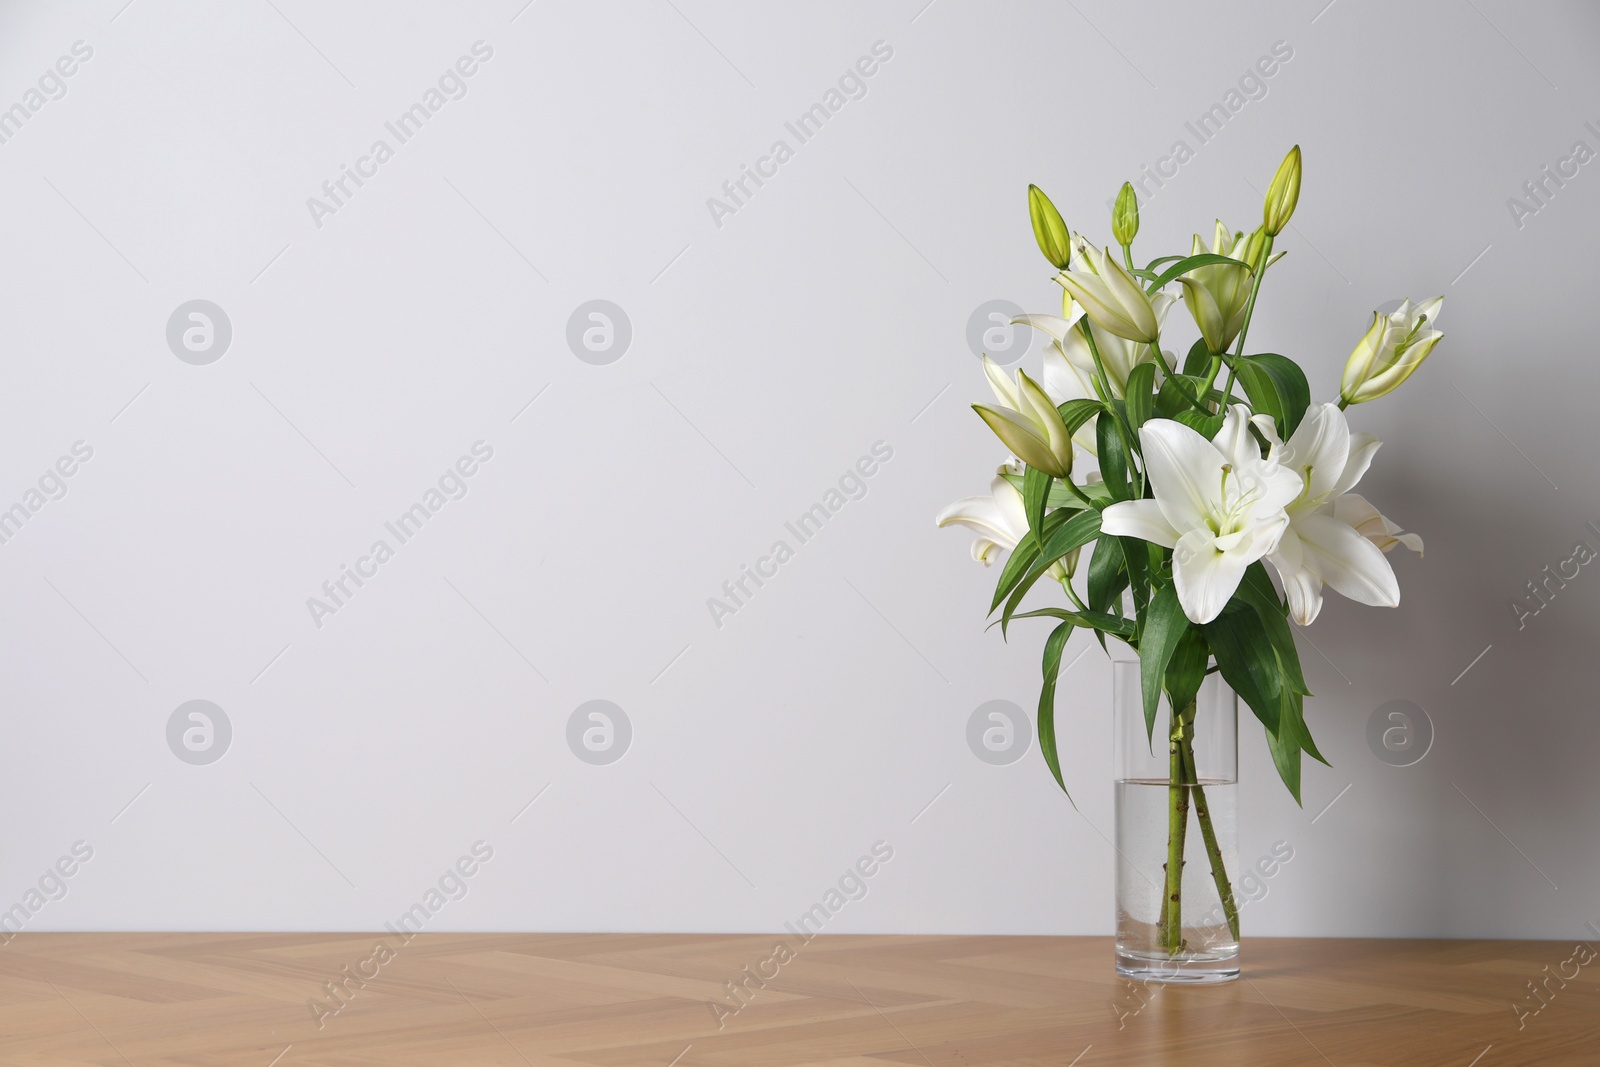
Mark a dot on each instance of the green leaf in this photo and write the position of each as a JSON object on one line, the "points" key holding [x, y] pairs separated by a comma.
{"points": [[1053, 647], [1141, 394], [1204, 424], [1113, 459], [1136, 556], [1063, 498], [1077, 412], [1187, 670], [1036, 499], [1286, 757], [1198, 359], [1256, 590], [1108, 574], [1108, 577], [1178, 393], [1075, 532], [1275, 386], [1260, 387], [1164, 626], [1089, 620], [1293, 737], [1189, 263], [1295, 715], [1018, 562], [1247, 662]]}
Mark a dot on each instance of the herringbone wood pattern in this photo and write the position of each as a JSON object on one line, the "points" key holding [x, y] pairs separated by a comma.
{"points": [[200, 1000]]}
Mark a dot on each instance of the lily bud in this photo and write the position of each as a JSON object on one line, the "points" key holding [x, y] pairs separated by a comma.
{"points": [[1255, 246], [1282, 195], [1029, 425], [1110, 296], [1125, 216], [1394, 347], [1216, 294], [1049, 229]]}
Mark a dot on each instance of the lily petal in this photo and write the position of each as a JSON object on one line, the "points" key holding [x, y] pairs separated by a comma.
{"points": [[1303, 589], [1347, 561], [1319, 448], [1356, 510], [1205, 576], [1053, 326], [1139, 518], [1363, 446], [1005, 390], [1183, 468]]}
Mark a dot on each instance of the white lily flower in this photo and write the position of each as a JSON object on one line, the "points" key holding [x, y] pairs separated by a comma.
{"points": [[1000, 521], [1392, 349], [1218, 504], [1334, 537], [1110, 296]]}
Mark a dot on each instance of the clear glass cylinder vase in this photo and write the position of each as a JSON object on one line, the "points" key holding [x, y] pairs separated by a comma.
{"points": [[1176, 800]]}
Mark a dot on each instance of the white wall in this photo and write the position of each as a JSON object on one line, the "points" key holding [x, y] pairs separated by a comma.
{"points": [[768, 354]]}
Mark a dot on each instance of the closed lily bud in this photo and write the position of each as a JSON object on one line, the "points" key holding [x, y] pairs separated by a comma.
{"points": [[1282, 195], [1216, 294], [1049, 229], [1110, 296], [1394, 347], [1125, 216], [1028, 424]]}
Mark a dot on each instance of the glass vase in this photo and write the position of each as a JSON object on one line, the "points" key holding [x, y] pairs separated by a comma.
{"points": [[1176, 805]]}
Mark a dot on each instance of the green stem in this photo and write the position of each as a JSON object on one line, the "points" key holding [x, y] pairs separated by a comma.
{"points": [[1227, 389], [1249, 312], [1128, 435], [1066, 583], [1100, 368], [1255, 291], [1177, 828], [1072, 488], [1219, 871]]}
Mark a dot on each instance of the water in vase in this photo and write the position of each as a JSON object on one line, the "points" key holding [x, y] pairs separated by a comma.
{"points": [[1209, 951]]}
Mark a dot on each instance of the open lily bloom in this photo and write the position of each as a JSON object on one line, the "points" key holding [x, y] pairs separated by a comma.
{"points": [[1219, 505], [1334, 538], [1000, 522]]}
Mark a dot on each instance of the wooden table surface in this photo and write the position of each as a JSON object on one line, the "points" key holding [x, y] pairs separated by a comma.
{"points": [[448, 1000]]}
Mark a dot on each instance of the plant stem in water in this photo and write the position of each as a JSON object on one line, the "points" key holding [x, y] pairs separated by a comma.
{"points": [[1219, 871], [1177, 828]]}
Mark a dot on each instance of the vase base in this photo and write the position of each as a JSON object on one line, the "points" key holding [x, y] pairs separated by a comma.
{"points": [[1179, 971]]}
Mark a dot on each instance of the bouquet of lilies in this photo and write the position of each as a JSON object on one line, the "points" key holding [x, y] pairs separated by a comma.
{"points": [[1197, 486]]}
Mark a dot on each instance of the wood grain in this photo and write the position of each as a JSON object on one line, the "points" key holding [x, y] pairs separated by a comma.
{"points": [[214, 1000]]}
